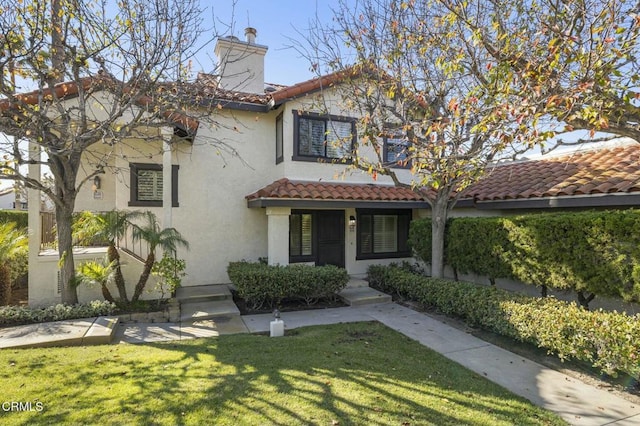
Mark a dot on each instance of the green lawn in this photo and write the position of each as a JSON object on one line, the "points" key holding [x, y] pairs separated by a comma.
{"points": [[364, 374]]}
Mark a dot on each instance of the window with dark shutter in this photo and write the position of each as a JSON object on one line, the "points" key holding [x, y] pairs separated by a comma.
{"points": [[319, 136], [146, 185], [149, 185], [300, 236], [279, 139], [383, 233], [396, 152]]}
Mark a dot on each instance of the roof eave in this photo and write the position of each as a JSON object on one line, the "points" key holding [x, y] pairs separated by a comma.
{"points": [[310, 203], [567, 201], [236, 105]]}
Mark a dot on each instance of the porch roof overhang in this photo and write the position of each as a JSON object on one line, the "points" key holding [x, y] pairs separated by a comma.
{"points": [[300, 194]]}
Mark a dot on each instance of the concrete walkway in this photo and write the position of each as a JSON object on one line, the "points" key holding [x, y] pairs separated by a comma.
{"points": [[578, 403]]}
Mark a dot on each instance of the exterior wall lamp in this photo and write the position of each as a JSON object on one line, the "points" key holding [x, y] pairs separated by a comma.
{"points": [[352, 223], [96, 183]]}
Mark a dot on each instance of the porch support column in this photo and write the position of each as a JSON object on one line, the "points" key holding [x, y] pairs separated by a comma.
{"points": [[35, 225], [167, 178], [278, 235]]}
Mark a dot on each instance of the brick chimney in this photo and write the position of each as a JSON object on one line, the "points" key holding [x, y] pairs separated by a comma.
{"points": [[241, 63]]}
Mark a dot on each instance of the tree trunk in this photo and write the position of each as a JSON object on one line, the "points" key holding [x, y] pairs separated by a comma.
{"points": [[106, 293], [64, 219], [114, 256], [5, 285], [144, 277], [438, 222], [544, 291], [585, 300]]}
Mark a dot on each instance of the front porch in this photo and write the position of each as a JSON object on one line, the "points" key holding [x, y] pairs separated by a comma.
{"points": [[345, 224]]}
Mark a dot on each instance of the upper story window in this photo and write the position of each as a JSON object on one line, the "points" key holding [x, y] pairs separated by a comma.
{"points": [[317, 136], [279, 140], [146, 185], [396, 152]]}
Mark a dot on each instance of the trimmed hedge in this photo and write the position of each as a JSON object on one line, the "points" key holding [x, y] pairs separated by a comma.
{"points": [[609, 341], [17, 315], [20, 218], [260, 284], [591, 253]]}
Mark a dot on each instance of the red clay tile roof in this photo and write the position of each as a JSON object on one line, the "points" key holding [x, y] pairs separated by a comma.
{"points": [[72, 89], [205, 88], [286, 189], [604, 171], [324, 81]]}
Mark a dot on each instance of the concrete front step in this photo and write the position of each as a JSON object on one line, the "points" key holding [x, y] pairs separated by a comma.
{"points": [[203, 310], [357, 282], [356, 296], [203, 293]]}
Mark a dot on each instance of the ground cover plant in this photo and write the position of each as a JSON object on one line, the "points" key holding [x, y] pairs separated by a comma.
{"points": [[18, 315], [343, 374]]}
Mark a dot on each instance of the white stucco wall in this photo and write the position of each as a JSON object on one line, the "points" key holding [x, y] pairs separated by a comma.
{"points": [[232, 156], [212, 183], [43, 279], [7, 199]]}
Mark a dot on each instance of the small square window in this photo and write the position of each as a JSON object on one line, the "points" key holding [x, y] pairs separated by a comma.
{"points": [[146, 185], [396, 152]]}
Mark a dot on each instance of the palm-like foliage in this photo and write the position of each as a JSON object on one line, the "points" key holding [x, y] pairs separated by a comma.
{"points": [[108, 226], [167, 239], [12, 243], [93, 272]]}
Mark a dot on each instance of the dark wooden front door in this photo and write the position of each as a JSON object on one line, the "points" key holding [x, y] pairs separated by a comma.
{"points": [[330, 228]]}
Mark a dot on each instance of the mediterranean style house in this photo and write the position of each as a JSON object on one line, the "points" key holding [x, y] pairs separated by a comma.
{"points": [[263, 178]]}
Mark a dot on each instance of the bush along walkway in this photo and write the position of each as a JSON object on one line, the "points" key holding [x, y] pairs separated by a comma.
{"points": [[609, 341]]}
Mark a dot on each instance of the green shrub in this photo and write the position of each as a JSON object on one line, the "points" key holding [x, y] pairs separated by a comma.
{"points": [[20, 218], [267, 285], [420, 239], [590, 253], [16, 315], [609, 341]]}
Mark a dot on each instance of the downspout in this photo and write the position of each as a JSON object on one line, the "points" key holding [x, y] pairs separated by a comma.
{"points": [[167, 178]]}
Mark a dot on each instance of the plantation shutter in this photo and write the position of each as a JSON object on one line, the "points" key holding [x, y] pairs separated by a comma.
{"points": [[366, 234], [300, 235], [339, 139], [385, 229], [306, 247], [149, 185], [311, 137]]}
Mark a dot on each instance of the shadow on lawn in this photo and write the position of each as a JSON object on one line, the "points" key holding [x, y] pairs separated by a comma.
{"points": [[302, 378]]}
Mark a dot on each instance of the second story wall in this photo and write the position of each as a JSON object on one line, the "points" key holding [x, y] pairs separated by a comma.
{"points": [[323, 110]]}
